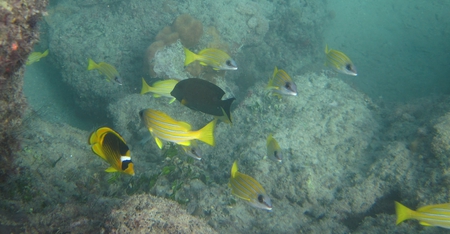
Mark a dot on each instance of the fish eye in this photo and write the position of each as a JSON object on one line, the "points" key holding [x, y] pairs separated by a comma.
{"points": [[349, 67], [228, 62], [261, 198]]}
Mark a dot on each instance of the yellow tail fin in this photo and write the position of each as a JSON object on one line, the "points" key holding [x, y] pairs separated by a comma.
{"points": [[190, 57], [91, 64], [145, 87], [206, 134], [403, 212]]}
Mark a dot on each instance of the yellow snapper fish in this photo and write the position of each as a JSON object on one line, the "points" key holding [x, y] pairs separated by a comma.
{"points": [[281, 83], [160, 88], [163, 127], [432, 215], [340, 62], [273, 149], [248, 189], [215, 58], [106, 69], [111, 147], [192, 150], [35, 57]]}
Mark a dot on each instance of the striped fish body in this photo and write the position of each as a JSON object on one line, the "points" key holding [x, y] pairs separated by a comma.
{"points": [[273, 149], [282, 83], [432, 215], [163, 127], [160, 88], [106, 69], [248, 189], [340, 62], [217, 59], [35, 57]]}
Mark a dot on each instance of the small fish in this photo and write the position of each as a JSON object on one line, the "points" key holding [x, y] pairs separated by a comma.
{"points": [[248, 189], [215, 58], [281, 83], [35, 57], [160, 88], [111, 147], [163, 127], [106, 69], [204, 96], [273, 149], [192, 150], [432, 215], [340, 62]]}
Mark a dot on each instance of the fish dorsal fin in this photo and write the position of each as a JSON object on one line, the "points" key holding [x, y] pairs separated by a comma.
{"points": [[234, 169], [269, 138], [185, 125]]}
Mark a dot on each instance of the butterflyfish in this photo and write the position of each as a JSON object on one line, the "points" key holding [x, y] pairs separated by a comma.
{"points": [[273, 149], [432, 215], [217, 59], [163, 127], [111, 147], [160, 88], [248, 189], [204, 96], [192, 150], [35, 57], [282, 84], [106, 69], [340, 62]]}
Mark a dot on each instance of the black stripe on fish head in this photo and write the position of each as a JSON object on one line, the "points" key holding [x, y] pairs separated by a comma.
{"points": [[125, 164]]}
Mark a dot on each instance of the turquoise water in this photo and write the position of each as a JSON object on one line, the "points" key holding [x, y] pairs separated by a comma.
{"points": [[351, 145]]}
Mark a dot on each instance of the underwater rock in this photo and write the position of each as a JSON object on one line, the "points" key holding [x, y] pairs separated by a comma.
{"points": [[149, 214]]}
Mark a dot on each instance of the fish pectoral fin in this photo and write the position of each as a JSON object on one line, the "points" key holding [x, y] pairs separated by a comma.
{"points": [[424, 223], [159, 142], [111, 169]]}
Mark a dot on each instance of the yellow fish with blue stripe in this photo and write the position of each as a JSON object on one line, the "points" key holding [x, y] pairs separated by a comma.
{"points": [[106, 69], [432, 215], [111, 147], [340, 62], [35, 57], [282, 83], [248, 189], [217, 59], [163, 127], [160, 88], [273, 149]]}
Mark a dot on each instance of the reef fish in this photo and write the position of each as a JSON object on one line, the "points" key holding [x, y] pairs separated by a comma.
{"points": [[215, 58], [340, 62], [160, 88], [248, 189], [282, 83], [192, 150], [273, 149], [106, 69], [432, 215], [35, 57], [204, 96], [111, 147], [163, 127]]}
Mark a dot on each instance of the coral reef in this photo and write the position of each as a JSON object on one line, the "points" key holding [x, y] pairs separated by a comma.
{"points": [[18, 34], [149, 214], [184, 28]]}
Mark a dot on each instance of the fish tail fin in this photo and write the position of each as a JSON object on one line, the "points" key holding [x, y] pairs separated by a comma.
{"points": [[145, 87], [234, 169], [326, 49], [45, 53], [403, 212], [190, 56], [226, 106], [91, 65], [206, 134]]}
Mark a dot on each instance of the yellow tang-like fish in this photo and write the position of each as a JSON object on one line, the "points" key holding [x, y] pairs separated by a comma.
{"points": [[273, 149], [248, 189], [111, 147], [340, 62], [160, 88], [282, 83], [35, 57], [432, 215], [215, 58], [163, 127], [106, 69]]}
